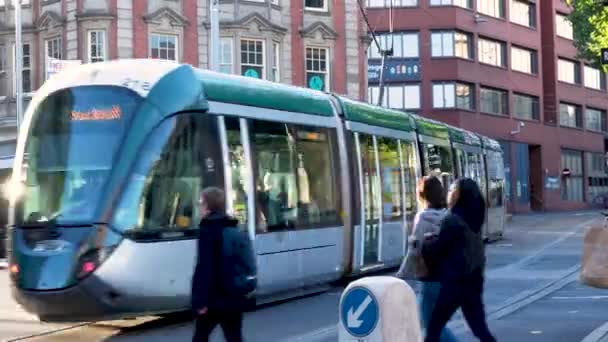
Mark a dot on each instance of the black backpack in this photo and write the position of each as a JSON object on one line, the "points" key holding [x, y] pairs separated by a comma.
{"points": [[238, 263]]}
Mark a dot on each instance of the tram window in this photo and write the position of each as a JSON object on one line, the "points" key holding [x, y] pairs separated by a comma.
{"points": [[181, 157], [295, 180], [392, 189], [461, 163], [438, 162], [72, 142], [370, 176], [410, 164], [238, 168]]}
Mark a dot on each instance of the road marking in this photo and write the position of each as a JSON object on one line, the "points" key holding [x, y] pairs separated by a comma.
{"points": [[523, 299], [597, 334], [579, 297], [543, 250]]}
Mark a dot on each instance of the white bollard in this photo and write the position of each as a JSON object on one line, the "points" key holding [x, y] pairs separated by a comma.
{"points": [[379, 309]]}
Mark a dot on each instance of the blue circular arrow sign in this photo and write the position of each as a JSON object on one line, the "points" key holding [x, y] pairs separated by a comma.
{"points": [[359, 312]]}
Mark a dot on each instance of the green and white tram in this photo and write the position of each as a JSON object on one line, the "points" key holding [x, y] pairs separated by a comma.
{"points": [[112, 156]]}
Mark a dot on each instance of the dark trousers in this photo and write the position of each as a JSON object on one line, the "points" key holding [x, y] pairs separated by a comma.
{"points": [[231, 323], [466, 294]]}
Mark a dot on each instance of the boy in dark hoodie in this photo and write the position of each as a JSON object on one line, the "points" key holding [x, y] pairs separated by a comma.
{"points": [[225, 271]]}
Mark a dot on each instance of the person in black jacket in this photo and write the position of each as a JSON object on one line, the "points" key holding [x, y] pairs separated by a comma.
{"points": [[457, 254], [225, 257]]}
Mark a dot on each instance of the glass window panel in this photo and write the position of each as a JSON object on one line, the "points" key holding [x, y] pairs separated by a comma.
{"points": [[412, 97], [462, 45], [570, 115], [448, 44], [436, 44], [525, 107], [493, 101], [594, 119], [294, 176], [182, 158], [594, 78], [395, 95], [390, 170], [563, 27]]}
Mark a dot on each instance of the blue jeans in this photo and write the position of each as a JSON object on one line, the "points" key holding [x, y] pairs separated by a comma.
{"points": [[429, 294]]}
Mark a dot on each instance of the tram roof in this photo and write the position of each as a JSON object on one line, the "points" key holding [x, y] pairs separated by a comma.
{"points": [[432, 128], [491, 144], [376, 116], [142, 75], [265, 94], [462, 136]]}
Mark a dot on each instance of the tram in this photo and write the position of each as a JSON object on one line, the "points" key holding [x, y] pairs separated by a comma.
{"points": [[112, 157]]}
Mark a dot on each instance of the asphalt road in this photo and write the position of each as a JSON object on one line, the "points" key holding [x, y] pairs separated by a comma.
{"points": [[532, 294]]}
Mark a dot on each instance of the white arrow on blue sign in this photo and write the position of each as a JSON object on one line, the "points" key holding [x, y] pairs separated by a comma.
{"points": [[359, 312]]}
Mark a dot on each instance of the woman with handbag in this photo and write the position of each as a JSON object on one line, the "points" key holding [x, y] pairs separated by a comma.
{"points": [[431, 201], [459, 255]]}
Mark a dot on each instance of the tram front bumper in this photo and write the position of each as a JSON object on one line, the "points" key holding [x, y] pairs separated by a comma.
{"points": [[89, 300]]}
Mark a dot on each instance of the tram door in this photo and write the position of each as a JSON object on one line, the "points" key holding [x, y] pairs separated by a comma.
{"points": [[370, 206]]}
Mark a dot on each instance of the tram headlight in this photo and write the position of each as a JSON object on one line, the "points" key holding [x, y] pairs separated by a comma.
{"points": [[91, 260]]}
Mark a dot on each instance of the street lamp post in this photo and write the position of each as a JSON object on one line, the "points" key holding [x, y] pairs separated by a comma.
{"points": [[214, 18], [18, 64]]}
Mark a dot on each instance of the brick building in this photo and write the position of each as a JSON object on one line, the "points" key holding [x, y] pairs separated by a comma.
{"points": [[506, 69], [307, 42]]}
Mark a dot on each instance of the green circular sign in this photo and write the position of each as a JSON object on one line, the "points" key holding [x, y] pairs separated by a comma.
{"points": [[316, 83], [252, 73]]}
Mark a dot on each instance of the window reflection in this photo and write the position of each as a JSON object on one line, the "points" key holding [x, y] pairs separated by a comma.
{"points": [[392, 189], [181, 157], [295, 178], [238, 169]]}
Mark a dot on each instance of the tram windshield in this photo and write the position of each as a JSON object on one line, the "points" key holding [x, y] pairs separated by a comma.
{"points": [[70, 148]]}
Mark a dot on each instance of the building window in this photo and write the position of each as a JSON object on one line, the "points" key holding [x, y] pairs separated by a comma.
{"points": [[597, 175], [526, 107], [53, 48], [451, 44], [568, 71], [387, 3], [276, 54], [494, 101], [563, 27], [572, 185], [316, 5], [405, 45], [524, 60], [226, 59], [400, 97], [523, 13], [492, 52], [595, 120], [317, 70], [594, 78], [97, 46], [252, 58], [493, 8], [459, 3], [453, 95], [26, 74], [570, 115], [163, 47]]}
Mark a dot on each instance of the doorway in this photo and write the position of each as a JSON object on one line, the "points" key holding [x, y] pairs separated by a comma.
{"points": [[536, 178]]}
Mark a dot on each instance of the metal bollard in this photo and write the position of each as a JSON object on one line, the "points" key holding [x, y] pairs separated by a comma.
{"points": [[379, 309]]}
